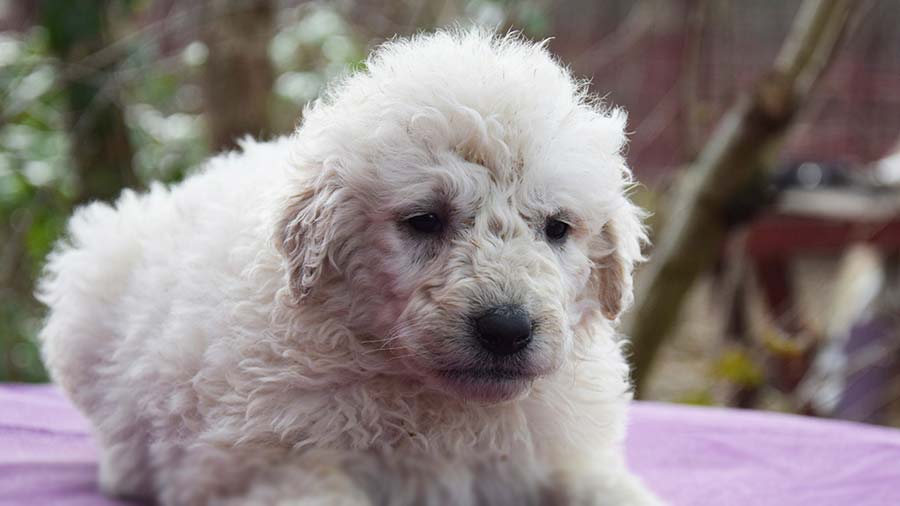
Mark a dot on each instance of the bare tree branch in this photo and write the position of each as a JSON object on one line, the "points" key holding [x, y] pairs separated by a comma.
{"points": [[739, 152]]}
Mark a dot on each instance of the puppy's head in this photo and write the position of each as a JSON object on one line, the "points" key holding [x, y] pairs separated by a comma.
{"points": [[463, 202]]}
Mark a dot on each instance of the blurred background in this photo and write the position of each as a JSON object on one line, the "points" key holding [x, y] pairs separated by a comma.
{"points": [[765, 137]]}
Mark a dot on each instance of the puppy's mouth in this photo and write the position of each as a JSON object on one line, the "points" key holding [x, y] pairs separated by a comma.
{"points": [[488, 385]]}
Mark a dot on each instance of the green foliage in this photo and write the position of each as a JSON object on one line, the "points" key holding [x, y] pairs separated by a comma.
{"points": [[65, 30], [38, 184], [736, 367], [698, 398], [33, 189]]}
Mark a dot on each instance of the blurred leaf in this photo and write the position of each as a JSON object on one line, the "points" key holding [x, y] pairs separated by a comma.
{"points": [[738, 368], [780, 344], [698, 398]]}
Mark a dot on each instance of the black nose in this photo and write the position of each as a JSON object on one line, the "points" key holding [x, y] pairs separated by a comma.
{"points": [[504, 330]]}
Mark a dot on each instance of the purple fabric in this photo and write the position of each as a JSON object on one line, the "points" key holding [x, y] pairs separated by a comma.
{"points": [[689, 456], [696, 456], [46, 456]]}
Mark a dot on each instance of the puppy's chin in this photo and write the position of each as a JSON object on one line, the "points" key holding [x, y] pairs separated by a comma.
{"points": [[485, 386]]}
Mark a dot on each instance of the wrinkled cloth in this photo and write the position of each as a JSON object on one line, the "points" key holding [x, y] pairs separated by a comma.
{"points": [[689, 456], [714, 456]]}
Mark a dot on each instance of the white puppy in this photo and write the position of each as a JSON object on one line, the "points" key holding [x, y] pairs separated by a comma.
{"points": [[408, 302]]}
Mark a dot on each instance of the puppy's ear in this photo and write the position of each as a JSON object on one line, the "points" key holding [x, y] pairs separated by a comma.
{"points": [[614, 258], [306, 232]]}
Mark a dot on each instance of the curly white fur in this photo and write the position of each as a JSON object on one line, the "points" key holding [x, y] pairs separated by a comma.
{"points": [[270, 331]]}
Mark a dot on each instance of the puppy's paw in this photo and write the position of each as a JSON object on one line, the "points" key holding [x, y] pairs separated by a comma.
{"points": [[325, 501], [277, 498], [573, 488], [301, 483]]}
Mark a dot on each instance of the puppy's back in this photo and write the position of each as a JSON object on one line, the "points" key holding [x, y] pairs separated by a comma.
{"points": [[135, 289]]}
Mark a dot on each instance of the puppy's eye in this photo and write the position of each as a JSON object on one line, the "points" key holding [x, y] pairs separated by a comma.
{"points": [[556, 230], [428, 223]]}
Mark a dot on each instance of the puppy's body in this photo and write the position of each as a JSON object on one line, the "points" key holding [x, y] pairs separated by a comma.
{"points": [[271, 331]]}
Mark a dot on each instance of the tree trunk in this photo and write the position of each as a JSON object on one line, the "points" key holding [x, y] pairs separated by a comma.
{"points": [[238, 78], [101, 151], [739, 153]]}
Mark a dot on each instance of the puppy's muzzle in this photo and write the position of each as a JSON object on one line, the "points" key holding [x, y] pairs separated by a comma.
{"points": [[504, 330]]}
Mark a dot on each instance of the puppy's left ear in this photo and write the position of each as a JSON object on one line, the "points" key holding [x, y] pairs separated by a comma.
{"points": [[306, 231], [615, 251]]}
